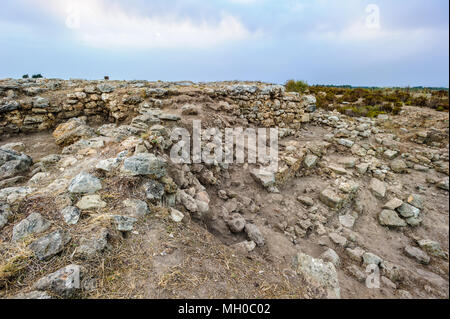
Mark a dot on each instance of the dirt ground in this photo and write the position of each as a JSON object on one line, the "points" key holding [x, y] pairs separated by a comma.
{"points": [[197, 259]]}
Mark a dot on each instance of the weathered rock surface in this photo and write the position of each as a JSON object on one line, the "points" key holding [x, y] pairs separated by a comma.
{"points": [[71, 215], [390, 218], [50, 245], [33, 224], [85, 183], [72, 131], [65, 282], [145, 164], [90, 202], [320, 272]]}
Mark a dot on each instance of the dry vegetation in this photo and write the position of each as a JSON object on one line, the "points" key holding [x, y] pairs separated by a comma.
{"points": [[371, 102]]}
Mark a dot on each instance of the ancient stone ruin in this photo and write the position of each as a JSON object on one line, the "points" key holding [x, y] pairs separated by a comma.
{"points": [[356, 208]]}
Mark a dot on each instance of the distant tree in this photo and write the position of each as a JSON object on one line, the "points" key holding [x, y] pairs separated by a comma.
{"points": [[25, 76], [37, 76]]}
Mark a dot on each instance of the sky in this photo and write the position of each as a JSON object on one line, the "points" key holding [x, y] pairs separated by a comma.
{"points": [[353, 42]]}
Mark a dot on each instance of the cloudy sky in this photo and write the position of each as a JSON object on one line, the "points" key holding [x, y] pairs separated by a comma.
{"points": [[357, 42]]}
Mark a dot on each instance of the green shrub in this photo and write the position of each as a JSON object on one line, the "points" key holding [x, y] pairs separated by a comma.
{"points": [[296, 86], [25, 76], [37, 76]]}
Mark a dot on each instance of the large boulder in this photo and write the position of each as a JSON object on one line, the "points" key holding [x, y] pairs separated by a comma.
{"points": [[72, 131]]}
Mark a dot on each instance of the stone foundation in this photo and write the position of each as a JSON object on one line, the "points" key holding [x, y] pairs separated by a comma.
{"points": [[36, 105]]}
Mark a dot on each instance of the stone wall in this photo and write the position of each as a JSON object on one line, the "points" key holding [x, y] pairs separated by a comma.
{"points": [[36, 105]]}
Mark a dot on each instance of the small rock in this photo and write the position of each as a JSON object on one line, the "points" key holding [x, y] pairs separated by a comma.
{"points": [[392, 271], [94, 243], [414, 221], [188, 201], [388, 283], [356, 272], [355, 254], [231, 205], [331, 256], [33, 295], [377, 187], [390, 218], [348, 162], [345, 142], [265, 178], [432, 247], [338, 239], [85, 183], [347, 220], [245, 246], [337, 169], [305, 200], [107, 165], [399, 166], [154, 190], [5, 213], [71, 215], [33, 224], [136, 207], [390, 154], [50, 245], [406, 210], [176, 215], [320, 272], [222, 194], [362, 168], [90, 202], [72, 131], [371, 259], [415, 200], [189, 109], [124, 223], [236, 223], [254, 234], [417, 254], [331, 199], [310, 161], [64, 282], [145, 164], [443, 184], [393, 204]]}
